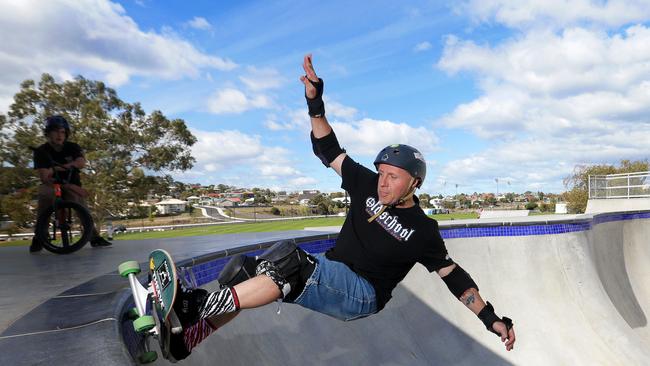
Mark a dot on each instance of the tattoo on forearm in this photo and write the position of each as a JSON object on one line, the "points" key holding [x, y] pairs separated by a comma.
{"points": [[469, 299]]}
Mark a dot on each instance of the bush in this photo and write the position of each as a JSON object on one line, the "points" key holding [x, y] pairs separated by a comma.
{"points": [[275, 211], [531, 205]]}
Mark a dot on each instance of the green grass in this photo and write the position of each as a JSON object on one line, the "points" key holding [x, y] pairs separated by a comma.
{"points": [[257, 227], [455, 216]]}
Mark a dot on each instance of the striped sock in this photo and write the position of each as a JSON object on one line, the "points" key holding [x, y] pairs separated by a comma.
{"points": [[197, 333], [221, 302]]}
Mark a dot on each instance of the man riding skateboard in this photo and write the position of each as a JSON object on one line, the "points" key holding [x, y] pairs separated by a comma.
{"points": [[384, 234]]}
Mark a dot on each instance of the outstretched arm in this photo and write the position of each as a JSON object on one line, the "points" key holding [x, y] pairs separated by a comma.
{"points": [[320, 128], [471, 298]]}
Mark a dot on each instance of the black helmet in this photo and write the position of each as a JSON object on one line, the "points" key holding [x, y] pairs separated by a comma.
{"points": [[405, 157], [55, 122]]}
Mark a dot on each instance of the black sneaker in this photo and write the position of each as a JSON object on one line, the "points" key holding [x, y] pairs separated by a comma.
{"points": [[188, 303], [98, 241], [36, 245]]}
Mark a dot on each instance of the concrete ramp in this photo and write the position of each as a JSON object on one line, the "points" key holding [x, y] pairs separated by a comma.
{"points": [[577, 298]]}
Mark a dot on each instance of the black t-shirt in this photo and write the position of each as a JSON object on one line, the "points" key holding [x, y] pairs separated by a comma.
{"points": [[70, 152], [386, 249]]}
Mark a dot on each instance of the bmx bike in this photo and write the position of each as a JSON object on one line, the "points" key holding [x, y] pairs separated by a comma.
{"points": [[65, 226]]}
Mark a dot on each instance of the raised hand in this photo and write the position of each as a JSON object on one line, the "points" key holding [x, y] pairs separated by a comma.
{"points": [[310, 90]]}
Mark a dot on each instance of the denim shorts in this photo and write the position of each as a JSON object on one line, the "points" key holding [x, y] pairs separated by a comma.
{"points": [[334, 289]]}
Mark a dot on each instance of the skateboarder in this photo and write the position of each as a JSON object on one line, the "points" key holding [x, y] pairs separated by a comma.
{"points": [[70, 156], [383, 236]]}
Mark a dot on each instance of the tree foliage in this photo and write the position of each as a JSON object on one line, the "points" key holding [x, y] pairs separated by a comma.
{"points": [[119, 139], [577, 184]]}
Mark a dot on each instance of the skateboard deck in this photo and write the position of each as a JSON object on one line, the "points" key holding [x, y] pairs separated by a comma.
{"points": [[164, 286], [162, 272], [154, 314]]}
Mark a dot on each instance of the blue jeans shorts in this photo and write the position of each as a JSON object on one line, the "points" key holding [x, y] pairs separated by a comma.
{"points": [[334, 289]]}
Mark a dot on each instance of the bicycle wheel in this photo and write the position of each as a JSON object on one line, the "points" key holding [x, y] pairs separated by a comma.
{"points": [[66, 230]]}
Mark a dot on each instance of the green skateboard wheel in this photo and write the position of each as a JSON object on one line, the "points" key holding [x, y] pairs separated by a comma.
{"points": [[144, 323], [128, 267], [148, 357], [132, 314]]}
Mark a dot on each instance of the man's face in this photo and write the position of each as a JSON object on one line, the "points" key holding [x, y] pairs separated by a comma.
{"points": [[56, 137], [393, 183]]}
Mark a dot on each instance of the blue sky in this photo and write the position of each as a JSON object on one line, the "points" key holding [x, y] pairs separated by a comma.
{"points": [[519, 91]]}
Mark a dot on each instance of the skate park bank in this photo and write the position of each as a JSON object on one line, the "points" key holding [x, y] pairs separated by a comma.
{"points": [[575, 286]]}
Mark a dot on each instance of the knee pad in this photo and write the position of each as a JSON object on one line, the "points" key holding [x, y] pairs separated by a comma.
{"points": [[238, 269], [285, 263], [458, 281]]}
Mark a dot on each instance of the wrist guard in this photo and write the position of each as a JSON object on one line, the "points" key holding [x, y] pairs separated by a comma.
{"points": [[326, 148], [316, 106], [488, 317]]}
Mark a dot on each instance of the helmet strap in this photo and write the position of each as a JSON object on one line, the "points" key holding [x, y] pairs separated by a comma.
{"points": [[407, 195], [400, 201]]}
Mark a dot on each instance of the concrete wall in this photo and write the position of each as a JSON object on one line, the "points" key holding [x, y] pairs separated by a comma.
{"points": [[617, 205]]}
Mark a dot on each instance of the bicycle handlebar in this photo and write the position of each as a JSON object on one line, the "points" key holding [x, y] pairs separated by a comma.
{"points": [[57, 176]]}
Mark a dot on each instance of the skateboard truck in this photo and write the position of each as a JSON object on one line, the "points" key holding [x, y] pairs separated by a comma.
{"points": [[143, 323]]}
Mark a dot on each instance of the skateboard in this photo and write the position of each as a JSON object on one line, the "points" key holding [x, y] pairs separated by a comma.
{"points": [[153, 315]]}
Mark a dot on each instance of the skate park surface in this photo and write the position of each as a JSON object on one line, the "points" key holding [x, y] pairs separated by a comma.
{"points": [[576, 287]]}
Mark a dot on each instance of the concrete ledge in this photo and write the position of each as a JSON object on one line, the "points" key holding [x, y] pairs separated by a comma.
{"points": [[617, 205]]}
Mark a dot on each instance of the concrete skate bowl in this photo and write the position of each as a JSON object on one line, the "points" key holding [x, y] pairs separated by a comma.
{"points": [[576, 289]]}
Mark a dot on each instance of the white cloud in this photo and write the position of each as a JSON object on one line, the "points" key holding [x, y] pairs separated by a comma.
{"points": [[238, 154], [231, 100], [302, 182], [553, 98], [199, 23], [555, 13], [225, 147], [545, 162], [95, 38], [258, 79], [336, 110], [298, 119], [577, 81], [422, 46], [295, 119], [368, 136]]}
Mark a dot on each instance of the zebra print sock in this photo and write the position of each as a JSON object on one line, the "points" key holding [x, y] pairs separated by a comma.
{"points": [[220, 302]]}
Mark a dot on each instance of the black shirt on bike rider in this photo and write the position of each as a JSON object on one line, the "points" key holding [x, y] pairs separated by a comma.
{"points": [[69, 153]]}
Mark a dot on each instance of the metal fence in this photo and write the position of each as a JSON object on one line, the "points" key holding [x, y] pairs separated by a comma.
{"points": [[625, 185]]}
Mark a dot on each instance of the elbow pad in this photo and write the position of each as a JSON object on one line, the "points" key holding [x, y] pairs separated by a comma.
{"points": [[326, 148], [458, 281]]}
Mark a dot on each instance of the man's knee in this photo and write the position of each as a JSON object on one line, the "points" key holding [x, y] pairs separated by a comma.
{"points": [[238, 269], [286, 264], [45, 198]]}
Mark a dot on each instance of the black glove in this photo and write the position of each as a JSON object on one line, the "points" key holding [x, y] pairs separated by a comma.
{"points": [[488, 317]]}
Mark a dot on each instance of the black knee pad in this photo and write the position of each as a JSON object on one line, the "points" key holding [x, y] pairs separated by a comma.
{"points": [[293, 264], [238, 269]]}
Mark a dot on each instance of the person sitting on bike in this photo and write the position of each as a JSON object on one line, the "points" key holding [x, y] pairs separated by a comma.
{"points": [[70, 156]]}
